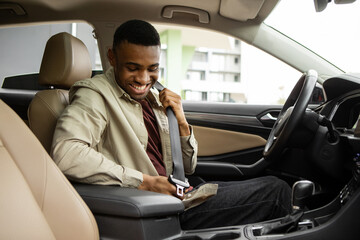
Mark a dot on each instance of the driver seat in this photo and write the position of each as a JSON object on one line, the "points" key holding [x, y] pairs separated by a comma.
{"points": [[37, 201]]}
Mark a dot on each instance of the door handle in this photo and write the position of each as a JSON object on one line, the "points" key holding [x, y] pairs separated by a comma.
{"points": [[268, 117]]}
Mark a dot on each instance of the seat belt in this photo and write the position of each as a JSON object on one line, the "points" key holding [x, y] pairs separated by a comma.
{"points": [[178, 176]]}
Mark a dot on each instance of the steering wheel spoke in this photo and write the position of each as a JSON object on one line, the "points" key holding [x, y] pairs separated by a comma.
{"points": [[290, 115]]}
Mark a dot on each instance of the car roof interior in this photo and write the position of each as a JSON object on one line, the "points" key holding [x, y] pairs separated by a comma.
{"points": [[252, 13], [217, 15]]}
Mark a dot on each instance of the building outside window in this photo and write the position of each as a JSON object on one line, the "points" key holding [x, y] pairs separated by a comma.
{"points": [[236, 60], [203, 96], [214, 67]]}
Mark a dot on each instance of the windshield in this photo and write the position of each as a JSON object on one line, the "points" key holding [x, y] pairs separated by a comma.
{"points": [[334, 33]]}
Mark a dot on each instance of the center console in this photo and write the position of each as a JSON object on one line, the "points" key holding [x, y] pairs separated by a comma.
{"points": [[336, 220]]}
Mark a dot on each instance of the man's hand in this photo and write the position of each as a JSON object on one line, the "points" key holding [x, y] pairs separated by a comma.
{"points": [[171, 99], [158, 184]]}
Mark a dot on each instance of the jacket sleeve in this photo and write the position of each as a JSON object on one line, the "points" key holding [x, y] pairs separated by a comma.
{"points": [[77, 138], [189, 151]]}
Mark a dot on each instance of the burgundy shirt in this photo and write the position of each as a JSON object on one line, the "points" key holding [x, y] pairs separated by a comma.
{"points": [[153, 148]]}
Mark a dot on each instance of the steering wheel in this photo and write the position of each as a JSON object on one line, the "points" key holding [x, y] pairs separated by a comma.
{"points": [[290, 115]]}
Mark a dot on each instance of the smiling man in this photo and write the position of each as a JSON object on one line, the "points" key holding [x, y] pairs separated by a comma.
{"points": [[115, 132]]}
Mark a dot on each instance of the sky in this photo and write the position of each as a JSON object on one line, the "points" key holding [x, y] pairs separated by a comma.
{"points": [[333, 33]]}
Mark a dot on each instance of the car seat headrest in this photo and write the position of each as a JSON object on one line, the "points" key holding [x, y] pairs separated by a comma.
{"points": [[65, 61]]}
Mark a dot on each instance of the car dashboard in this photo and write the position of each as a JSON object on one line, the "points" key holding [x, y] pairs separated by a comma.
{"points": [[343, 107]]}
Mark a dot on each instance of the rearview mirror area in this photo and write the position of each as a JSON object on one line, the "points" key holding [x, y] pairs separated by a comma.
{"points": [[320, 5]]}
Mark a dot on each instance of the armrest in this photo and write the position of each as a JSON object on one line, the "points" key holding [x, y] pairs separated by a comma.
{"points": [[128, 202]]}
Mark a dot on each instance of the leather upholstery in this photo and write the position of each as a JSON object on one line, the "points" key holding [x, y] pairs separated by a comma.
{"points": [[65, 61], [37, 201], [208, 139], [43, 112]]}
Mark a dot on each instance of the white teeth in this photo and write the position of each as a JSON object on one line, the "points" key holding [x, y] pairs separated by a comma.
{"points": [[140, 88]]}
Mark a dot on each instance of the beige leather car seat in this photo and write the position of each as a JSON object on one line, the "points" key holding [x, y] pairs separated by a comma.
{"points": [[65, 61], [37, 201]]}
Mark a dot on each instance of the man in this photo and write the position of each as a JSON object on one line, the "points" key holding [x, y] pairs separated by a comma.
{"points": [[115, 131]]}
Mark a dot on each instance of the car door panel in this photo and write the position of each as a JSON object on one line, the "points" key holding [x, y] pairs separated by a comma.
{"points": [[230, 137], [214, 141]]}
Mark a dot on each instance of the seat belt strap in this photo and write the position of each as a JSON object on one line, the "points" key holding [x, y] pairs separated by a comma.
{"points": [[178, 176]]}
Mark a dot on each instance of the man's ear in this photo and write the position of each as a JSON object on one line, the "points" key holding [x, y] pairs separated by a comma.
{"points": [[111, 57]]}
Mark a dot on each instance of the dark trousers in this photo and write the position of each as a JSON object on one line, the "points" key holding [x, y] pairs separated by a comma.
{"points": [[241, 202]]}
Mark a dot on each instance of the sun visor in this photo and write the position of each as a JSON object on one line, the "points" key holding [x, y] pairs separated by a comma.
{"points": [[240, 10]]}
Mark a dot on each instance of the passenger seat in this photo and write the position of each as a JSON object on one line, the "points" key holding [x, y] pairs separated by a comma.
{"points": [[65, 61]]}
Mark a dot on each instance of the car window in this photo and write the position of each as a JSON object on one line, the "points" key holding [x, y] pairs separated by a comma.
{"points": [[213, 67], [22, 48]]}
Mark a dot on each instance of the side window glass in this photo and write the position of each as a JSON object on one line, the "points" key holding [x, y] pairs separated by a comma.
{"points": [[22, 48], [213, 67]]}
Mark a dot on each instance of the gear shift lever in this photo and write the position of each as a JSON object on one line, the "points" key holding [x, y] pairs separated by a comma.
{"points": [[301, 191]]}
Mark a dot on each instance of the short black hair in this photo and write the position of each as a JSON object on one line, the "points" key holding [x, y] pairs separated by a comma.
{"points": [[136, 32]]}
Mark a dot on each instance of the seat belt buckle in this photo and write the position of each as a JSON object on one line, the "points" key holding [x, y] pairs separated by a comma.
{"points": [[179, 190], [180, 185]]}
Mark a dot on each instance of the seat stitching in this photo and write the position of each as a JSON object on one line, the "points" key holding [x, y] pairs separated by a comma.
{"points": [[45, 182]]}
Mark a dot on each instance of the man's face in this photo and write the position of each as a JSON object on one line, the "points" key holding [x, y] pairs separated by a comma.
{"points": [[136, 68]]}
